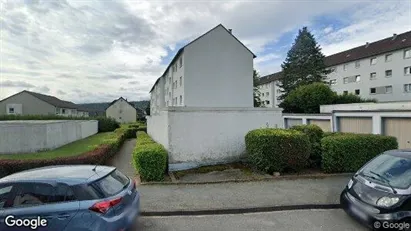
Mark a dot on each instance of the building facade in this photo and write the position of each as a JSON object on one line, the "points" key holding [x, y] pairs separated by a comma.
{"points": [[214, 70], [380, 70], [32, 103], [122, 111]]}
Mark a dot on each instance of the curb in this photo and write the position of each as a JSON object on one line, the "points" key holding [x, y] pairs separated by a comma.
{"points": [[240, 210], [290, 177]]}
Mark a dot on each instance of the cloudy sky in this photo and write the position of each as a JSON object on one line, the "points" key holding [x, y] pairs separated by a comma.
{"points": [[96, 51]]}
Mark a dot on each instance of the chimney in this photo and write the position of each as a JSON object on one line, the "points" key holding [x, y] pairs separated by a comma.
{"points": [[367, 44], [230, 30], [394, 36]]}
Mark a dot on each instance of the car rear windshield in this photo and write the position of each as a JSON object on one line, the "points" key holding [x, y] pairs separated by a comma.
{"points": [[112, 184], [394, 168]]}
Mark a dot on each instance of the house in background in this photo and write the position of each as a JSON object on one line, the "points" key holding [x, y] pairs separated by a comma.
{"points": [[214, 70], [32, 103], [122, 111], [380, 70]]}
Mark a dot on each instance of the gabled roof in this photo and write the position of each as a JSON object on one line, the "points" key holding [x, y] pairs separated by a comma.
{"points": [[114, 101], [392, 43], [270, 78], [49, 99], [180, 51]]}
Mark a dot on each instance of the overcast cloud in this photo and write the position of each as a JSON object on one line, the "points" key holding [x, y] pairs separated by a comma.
{"points": [[96, 51]]}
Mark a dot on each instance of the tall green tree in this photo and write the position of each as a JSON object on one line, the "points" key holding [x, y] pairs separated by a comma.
{"points": [[304, 63], [148, 108], [256, 90]]}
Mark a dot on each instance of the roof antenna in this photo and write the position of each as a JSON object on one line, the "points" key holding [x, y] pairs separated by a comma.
{"points": [[94, 169]]}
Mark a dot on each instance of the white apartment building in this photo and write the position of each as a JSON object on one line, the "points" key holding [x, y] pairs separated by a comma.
{"points": [[269, 90], [379, 70], [214, 70]]}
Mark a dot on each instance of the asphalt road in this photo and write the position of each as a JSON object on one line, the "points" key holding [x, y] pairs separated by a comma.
{"points": [[304, 220]]}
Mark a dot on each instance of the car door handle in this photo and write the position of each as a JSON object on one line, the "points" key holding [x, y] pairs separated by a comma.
{"points": [[63, 216]]}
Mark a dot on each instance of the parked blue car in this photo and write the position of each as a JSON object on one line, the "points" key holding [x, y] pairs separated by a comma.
{"points": [[66, 198]]}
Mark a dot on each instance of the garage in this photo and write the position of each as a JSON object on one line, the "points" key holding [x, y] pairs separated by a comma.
{"points": [[355, 124], [399, 128], [325, 125], [291, 122]]}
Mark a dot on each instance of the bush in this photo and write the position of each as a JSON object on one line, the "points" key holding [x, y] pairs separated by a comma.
{"points": [[349, 152], [315, 134], [274, 150], [149, 158], [351, 98], [100, 155], [106, 124]]}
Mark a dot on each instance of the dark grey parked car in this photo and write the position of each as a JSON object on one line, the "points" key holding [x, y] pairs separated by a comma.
{"points": [[77, 197]]}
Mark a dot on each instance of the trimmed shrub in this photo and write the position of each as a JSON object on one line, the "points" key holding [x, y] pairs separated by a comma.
{"points": [[315, 134], [274, 150], [100, 155], [348, 152], [106, 124], [149, 158]]}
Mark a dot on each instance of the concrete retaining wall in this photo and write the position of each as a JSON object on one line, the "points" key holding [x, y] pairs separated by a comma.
{"points": [[35, 135]]}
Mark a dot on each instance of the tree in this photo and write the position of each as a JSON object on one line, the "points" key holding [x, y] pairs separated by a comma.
{"points": [[308, 98], [256, 90], [304, 63], [148, 108]]}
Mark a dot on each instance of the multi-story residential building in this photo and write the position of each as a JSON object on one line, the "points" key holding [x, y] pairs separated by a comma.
{"points": [[32, 103], [380, 70], [269, 90], [214, 70]]}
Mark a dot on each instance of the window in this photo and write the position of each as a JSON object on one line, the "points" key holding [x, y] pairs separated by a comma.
{"points": [[345, 80], [11, 110], [357, 78], [63, 193], [267, 94], [169, 79], [407, 54], [5, 191], [169, 94], [345, 67], [407, 88], [119, 117], [345, 92], [388, 73], [57, 110], [373, 61], [63, 111], [30, 194], [333, 81], [267, 102], [181, 81], [388, 89], [333, 69], [407, 71], [357, 64], [181, 99], [373, 75], [181, 61], [388, 58], [262, 94], [357, 91], [373, 90], [111, 184]]}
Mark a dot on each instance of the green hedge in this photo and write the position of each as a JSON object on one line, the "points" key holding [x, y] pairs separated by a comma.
{"points": [[149, 158], [100, 155], [274, 150], [104, 124], [348, 152], [315, 134]]}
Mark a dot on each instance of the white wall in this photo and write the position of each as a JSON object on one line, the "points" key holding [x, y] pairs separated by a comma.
{"points": [[32, 136], [158, 127], [218, 72], [204, 135], [366, 106]]}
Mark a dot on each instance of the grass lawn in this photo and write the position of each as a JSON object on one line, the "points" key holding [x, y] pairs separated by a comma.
{"points": [[72, 149]]}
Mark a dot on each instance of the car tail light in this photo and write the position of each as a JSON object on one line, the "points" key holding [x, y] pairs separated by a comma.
{"points": [[104, 206]]}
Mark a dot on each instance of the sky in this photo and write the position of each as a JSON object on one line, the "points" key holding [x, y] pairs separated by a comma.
{"points": [[98, 50]]}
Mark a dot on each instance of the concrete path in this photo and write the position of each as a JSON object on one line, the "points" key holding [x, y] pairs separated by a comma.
{"points": [[163, 198], [123, 159], [304, 220]]}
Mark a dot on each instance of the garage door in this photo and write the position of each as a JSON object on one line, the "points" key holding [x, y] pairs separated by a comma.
{"points": [[325, 125], [292, 122], [400, 128], [355, 124]]}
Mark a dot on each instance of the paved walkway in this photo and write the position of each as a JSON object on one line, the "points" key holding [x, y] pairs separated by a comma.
{"points": [[163, 198], [123, 159]]}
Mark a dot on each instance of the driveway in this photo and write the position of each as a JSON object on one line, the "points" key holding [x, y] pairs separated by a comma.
{"points": [[191, 197]]}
